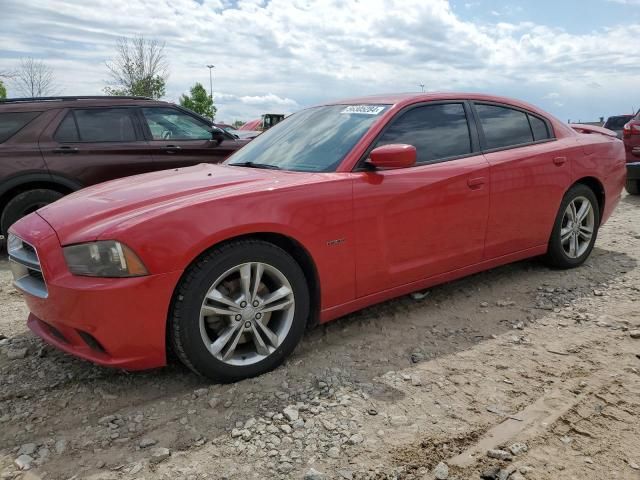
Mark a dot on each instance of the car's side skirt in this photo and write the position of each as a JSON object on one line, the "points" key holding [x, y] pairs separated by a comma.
{"points": [[345, 308]]}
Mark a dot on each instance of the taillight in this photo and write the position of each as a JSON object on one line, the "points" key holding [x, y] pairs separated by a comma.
{"points": [[631, 128]]}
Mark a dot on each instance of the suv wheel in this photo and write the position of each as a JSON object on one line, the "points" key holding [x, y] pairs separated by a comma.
{"points": [[633, 187], [239, 311], [24, 204]]}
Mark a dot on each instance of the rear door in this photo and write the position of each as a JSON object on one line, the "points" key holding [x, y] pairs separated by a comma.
{"points": [[530, 171], [417, 222], [178, 139], [92, 145]]}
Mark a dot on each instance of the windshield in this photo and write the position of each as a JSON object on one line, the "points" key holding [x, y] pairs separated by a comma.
{"points": [[313, 140]]}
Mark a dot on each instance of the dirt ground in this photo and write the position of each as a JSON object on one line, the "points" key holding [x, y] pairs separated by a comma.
{"points": [[539, 365]]}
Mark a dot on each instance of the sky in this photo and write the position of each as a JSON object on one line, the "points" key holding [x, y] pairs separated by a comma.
{"points": [[578, 59]]}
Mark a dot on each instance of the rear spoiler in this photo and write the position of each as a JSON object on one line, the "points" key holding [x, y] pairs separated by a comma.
{"points": [[581, 128]]}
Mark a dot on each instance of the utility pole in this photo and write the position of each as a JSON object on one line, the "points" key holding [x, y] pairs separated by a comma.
{"points": [[211, 67]]}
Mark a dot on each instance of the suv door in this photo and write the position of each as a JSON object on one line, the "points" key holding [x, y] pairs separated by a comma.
{"points": [[179, 139], [92, 145], [417, 222], [530, 171]]}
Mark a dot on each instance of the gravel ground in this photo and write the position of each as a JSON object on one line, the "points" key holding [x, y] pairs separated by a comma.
{"points": [[520, 372]]}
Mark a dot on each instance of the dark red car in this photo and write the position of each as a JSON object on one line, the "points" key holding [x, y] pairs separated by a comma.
{"points": [[631, 138], [337, 207], [53, 146]]}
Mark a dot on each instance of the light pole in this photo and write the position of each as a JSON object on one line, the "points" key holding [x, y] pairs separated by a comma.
{"points": [[211, 67], [421, 85]]}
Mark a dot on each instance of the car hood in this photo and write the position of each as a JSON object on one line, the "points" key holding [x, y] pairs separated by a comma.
{"points": [[84, 215]]}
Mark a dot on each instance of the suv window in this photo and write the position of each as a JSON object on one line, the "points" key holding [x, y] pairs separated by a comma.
{"points": [[539, 128], [12, 122], [172, 124], [67, 130], [503, 126], [97, 125], [437, 131], [617, 122]]}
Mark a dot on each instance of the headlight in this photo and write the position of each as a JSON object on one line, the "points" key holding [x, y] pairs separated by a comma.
{"points": [[103, 259]]}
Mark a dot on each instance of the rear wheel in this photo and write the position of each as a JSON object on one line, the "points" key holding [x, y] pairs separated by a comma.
{"points": [[633, 187], [239, 311], [575, 229], [25, 203]]}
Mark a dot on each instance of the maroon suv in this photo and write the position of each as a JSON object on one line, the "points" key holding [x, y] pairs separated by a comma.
{"points": [[53, 146]]}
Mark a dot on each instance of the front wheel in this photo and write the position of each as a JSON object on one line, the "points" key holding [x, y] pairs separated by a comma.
{"points": [[25, 203], [575, 229], [239, 311]]}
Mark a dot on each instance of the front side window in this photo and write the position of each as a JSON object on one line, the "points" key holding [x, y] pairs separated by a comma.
{"points": [[103, 125], [12, 122], [503, 127], [437, 131], [313, 140], [172, 124]]}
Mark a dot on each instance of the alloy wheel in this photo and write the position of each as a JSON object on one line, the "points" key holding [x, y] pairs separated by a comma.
{"points": [[578, 223], [247, 313]]}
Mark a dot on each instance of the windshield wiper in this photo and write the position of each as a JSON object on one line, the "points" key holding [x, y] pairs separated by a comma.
{"points": [[255, 165]]}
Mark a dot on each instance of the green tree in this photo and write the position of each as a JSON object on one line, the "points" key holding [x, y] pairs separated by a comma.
{"points": [[3, 90], [237, 124], [199, 101]]}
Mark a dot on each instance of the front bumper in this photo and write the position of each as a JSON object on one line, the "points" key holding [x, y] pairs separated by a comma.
{"points": [[112, 322], [633, 171]]}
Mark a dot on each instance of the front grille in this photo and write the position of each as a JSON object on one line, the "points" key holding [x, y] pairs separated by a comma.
{"points": [[25, 266]]}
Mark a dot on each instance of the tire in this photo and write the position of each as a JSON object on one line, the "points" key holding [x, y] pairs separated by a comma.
{"points": [[565, 254], [199, 319], [25, 203], [633, 187]]}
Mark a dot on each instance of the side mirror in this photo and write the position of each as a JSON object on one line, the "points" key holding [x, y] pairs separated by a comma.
{"points": [[397, 155], [217, 136]]}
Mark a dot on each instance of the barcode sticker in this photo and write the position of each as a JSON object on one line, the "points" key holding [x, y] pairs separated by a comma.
{"points": [[364, 109]]}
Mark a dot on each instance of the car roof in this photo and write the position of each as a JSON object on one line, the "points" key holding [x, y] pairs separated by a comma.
{"points": [[402, 99], [47, 103]]}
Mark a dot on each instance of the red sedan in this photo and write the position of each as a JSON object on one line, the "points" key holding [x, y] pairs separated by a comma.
{"points": [[338, 207]]}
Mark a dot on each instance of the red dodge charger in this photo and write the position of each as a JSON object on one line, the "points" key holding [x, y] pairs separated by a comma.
{"points": [[338, 207]]}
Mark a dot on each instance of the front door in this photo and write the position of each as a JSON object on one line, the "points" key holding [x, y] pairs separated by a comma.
{"points": [[429, 219], [179, 139]]}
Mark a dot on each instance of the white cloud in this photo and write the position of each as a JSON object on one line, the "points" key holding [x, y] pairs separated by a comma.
{"points": [[284, 54]]}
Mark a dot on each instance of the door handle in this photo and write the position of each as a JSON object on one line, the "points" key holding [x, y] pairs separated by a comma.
{"points": [[172, 148], [65, 149], [560, 160], [475, 183]]}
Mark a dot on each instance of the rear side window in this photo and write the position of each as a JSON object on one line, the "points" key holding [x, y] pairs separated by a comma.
{"points": [[12, 122], [503, 127], [539, 128], [101, 125], [437, 131]]}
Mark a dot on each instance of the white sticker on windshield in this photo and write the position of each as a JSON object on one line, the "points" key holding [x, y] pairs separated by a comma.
{"points": [[364, 109]]}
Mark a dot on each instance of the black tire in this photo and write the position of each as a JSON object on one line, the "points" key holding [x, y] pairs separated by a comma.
{"points": [[633, 187], [25, 203], [184, 318], [556, 255]]}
